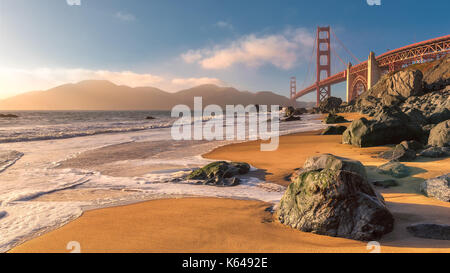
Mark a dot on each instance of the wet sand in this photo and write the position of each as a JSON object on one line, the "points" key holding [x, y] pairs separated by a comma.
{"points": [[225, 225]]}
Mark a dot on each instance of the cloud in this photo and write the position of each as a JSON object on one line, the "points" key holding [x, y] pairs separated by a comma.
{"points": [[190, 82], [14, 81], [284, 50], [123, 16], [224, 24]]}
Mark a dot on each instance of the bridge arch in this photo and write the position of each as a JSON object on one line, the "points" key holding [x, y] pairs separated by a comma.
{"points": [[359, 85]]}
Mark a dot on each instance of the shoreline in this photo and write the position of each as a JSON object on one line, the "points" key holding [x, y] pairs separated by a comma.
{"points": [[273, 173]]}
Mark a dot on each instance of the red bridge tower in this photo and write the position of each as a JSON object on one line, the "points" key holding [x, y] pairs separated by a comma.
{"points": [[323, 62]]}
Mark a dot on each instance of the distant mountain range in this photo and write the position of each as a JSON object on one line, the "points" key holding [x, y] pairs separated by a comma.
{"points": [[105, 95]]}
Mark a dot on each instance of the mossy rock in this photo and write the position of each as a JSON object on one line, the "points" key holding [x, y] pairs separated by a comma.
{"points": [[394, 169], [335, 203], [220, 172]]}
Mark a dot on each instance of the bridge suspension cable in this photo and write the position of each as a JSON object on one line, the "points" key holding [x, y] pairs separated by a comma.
{"points": [[342, 44], [309, 64]]}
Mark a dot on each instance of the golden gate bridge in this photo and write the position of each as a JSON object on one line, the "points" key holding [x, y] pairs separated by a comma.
{"points": [[363, 75]]}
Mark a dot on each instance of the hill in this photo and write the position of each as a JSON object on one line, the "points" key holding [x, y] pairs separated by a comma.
{"points": [[104, 95]]}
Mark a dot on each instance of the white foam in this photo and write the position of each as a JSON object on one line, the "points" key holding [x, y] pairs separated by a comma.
{"points": [[34, 175]]}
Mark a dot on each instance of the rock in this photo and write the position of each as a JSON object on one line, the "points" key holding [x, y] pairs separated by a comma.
{"points": [[291, 118], [335, 203], [390, 126], [437, 77], [289, 111], [439, 115], [334, 130], [430, 231], [435, 152], [438, 187], [399, 153], [332, 162], [385, 183], [412, 145], [394, 169], [440, 135], [3, 213], [416, 116], [330, 105], [150, 117], [220, 173], [8, 116], [333, 119], [406, 83]]}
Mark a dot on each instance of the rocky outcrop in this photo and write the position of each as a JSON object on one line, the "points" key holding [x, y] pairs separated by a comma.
{"points": [[430, 231], [390, 126], [438, 187], [334, 130], [330, 105], [220, 173], [440, 135], [331, 196], [394, 169]]}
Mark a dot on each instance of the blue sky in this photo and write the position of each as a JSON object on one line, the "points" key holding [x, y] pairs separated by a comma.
{"points": [[252, 45]]}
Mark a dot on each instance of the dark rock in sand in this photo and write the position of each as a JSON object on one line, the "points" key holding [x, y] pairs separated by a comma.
{"points": [[430, 231], [335, 203], [385, 183], [8, 116], [291, 118], [333, 119], [334, 130], [220, 173], [438, 187], [394, 169], [440, 135], [150, 117], [412, 145], [399, 153], [435, 152], [330, 105]]}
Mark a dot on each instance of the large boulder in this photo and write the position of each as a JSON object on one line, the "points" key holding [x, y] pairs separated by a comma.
{"points": [[390, 126], [440, 135], [405, 84], [220, 173], [335, 203], [438, 187], [332, 162], [330, 105]]}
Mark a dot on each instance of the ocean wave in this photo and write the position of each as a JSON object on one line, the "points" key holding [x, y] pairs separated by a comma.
{"points": [[8, 158]]}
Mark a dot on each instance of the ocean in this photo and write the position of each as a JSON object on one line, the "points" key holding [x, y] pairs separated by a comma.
{"points": [[34, 145]]}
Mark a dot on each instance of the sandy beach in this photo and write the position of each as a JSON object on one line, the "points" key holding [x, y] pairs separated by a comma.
{"points": [[229, 225]]}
